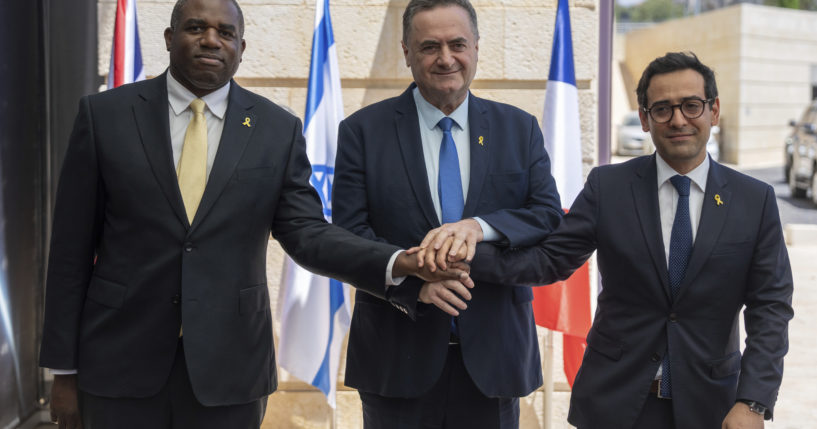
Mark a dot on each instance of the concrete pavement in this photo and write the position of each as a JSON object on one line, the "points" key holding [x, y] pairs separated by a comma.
{"points": [[797, 402]]}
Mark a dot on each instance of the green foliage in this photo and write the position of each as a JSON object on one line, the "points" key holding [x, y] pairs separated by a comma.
{"points": [[793, 4], [649, 11]]}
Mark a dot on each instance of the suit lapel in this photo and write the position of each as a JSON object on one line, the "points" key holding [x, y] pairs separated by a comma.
{"points": [[234, 138], [713, 218], [481, 145], [151, 114], [411, 147], [645, 196]]}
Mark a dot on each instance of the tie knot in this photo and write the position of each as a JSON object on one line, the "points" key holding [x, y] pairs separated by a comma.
{"points": [[681, 184], [445, 124], [197, 105]]}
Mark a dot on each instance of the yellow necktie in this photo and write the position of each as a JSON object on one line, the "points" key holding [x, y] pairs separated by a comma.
{"points": [[192, 169]]}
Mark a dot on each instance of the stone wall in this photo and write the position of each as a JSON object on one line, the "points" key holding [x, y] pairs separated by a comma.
{"points": [[514, 57], [762, 57]]}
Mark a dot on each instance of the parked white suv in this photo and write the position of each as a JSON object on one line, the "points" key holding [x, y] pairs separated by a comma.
{"points": [[802, 178]]}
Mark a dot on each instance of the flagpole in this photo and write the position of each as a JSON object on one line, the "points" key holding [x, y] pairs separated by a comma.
{"points": [[547, 370], [606, 30]]}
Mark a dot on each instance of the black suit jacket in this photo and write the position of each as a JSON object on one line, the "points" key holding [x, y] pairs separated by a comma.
{"points": [[381, 192], [739, 259], [117, 321]]}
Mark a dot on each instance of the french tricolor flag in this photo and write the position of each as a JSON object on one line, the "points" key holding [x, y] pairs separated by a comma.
{"points": [[315, 312], [565, 306], [126, 54]]}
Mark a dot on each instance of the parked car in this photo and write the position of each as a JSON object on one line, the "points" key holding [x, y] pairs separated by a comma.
{"points": [[802, 177], [788, 149], [712, 145], [632, 140]]}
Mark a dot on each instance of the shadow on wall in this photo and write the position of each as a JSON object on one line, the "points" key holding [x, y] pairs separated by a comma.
{"points": [[630, 83], [383, 82]]}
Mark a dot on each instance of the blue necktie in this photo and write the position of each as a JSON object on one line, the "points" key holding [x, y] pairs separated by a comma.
{"points": [[680, 247], [449, 184]]}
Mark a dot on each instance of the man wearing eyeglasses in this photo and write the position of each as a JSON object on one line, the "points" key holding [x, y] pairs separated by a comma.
{"points": [[683, 243]]}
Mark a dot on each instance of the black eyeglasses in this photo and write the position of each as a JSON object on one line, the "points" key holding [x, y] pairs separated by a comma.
{"points": [[691, 108]]}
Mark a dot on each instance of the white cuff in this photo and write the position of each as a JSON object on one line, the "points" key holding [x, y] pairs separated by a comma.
{"points": [[62, 371], [389, 280], [489, 233]]}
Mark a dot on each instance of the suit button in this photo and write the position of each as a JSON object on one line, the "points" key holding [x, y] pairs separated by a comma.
{"points": [[188, 247], [177, 299], [673, 317], [655, 357]]}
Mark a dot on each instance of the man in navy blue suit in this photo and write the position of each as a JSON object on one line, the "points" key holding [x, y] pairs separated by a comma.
{"points": [[439, 159], [683, 244]]}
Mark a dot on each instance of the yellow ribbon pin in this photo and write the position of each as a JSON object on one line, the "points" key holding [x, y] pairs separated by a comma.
{"points": [[480, 141], [718, 200], [246, 122]]}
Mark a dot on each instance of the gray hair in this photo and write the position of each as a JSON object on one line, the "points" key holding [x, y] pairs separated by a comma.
{"points": [[416, 6]]}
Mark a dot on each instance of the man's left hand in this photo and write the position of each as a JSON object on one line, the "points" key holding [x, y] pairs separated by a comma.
{"points": [[465, 234], [740, 417], [431, 258]]}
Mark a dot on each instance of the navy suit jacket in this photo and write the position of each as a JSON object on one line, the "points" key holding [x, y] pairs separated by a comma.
{"points": [[117, 321], [381, 193], [739, 259]]}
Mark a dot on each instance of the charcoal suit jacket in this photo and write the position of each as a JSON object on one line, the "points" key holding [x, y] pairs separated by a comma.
{"points": [[117, 320]]}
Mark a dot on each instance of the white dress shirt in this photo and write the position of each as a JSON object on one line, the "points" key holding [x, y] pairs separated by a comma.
{"points": [[431, 137], [668, 197], [668, 202], [179, 112]]}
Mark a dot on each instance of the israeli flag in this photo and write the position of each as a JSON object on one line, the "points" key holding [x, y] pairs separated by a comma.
{"points": [[315, 311]]}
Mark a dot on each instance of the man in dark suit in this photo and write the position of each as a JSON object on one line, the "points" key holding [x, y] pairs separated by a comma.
{"points": [[157, 297], [395, 181], [683, 244]]}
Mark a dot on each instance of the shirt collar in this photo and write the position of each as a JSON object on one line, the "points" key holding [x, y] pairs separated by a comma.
{"points": [[697, 175], [430, 115], [180, 97]]}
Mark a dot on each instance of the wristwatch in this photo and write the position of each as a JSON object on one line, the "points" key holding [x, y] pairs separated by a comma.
{"points": [[754, 406]]}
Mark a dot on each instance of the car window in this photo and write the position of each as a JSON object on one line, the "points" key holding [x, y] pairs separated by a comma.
{"points": [[632, 121], [811, 115]]}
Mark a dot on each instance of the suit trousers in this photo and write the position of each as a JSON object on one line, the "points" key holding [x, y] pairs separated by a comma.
{"points": [[657, 413], [174, 407], [453, 402]]}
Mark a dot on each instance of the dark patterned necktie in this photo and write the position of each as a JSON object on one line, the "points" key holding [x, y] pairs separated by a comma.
{"points": [[680, 247]]}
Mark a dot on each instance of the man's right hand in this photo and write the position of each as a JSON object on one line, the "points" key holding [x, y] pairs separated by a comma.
{"points": [[446, 295], [65, 402], [408, 264]]}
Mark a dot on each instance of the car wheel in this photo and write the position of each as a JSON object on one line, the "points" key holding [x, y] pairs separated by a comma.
{"points": [[814, 187], [795, 191], [787, 168]]}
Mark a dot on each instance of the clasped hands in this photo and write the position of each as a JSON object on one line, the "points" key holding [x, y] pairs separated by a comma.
{"points": [[443, 260]]}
